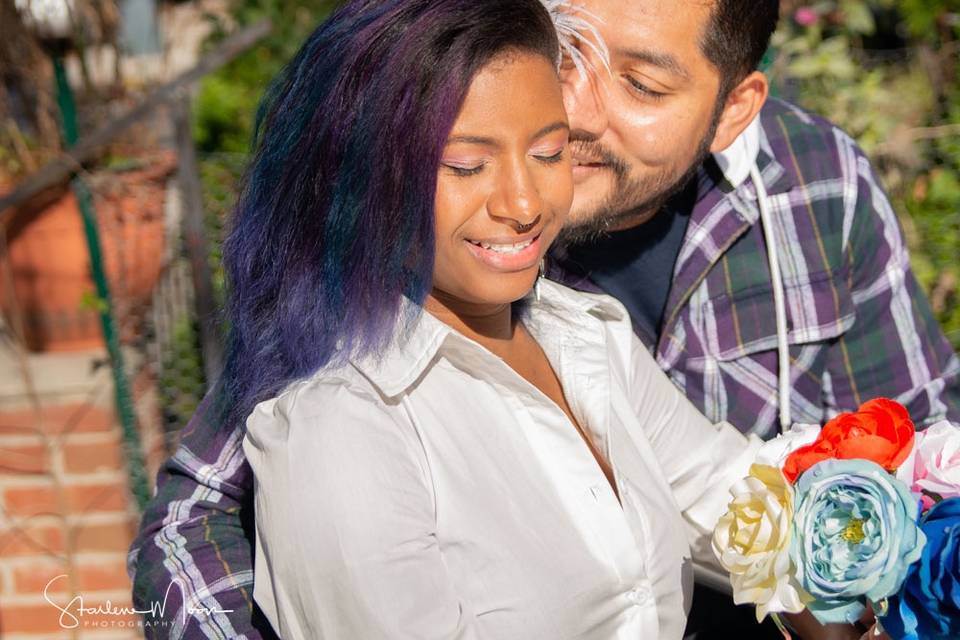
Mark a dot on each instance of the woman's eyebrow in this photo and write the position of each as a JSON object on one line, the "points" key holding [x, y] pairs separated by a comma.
{"points": [[490, 142], [556, 126], [472, 140]]}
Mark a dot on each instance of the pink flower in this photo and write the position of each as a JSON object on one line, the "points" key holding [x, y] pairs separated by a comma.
{"points": [[934, 465], [806, 16]]}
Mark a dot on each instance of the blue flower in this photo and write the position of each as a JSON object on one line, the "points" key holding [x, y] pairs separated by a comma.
{"points": [[855, 536], [928, 605]]}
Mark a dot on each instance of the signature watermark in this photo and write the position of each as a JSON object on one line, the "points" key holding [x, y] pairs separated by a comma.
{"points": [[72, 614]]}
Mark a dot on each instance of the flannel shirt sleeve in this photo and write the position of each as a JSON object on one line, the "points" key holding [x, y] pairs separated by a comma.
{"points": [[192, 561], [895, 348]]}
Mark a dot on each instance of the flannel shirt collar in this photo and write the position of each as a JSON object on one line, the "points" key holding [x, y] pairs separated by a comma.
{"points": [[729, 170]]}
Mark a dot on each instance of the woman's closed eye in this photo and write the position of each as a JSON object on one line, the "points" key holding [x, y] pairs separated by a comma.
{"points": [[550, 158], [464, 169]]}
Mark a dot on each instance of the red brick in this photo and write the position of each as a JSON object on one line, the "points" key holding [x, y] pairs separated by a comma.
{"points": [[31, 540], [97, 497], [80, 498], [92, 457], [33, 578], [45, 618], [29, 500], [100, 575], [72, 418], [24, 458], [104, 537], [31, 618]]}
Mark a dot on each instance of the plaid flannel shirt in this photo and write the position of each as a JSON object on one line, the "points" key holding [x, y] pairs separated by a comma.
{"points": [[859, 327]]}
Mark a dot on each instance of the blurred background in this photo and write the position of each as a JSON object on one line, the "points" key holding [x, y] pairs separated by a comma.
{"points": [[124, 128]]}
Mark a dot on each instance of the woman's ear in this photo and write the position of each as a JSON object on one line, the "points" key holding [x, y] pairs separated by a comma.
{"points": [[742, 106]]}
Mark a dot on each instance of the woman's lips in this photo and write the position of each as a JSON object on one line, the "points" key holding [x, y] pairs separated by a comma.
{"points": [[508, 256]]}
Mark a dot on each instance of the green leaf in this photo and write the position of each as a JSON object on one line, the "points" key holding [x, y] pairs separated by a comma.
{"points": [[858, 17]]}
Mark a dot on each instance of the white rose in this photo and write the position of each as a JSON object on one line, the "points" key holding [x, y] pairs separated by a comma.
{"points": [[774, 452], [752, 542]]}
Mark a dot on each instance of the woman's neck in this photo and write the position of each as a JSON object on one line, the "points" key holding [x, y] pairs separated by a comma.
{"points": [[491, 325]]}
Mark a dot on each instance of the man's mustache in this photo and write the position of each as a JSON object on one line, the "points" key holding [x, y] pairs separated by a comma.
{"points": [[588, 149]]}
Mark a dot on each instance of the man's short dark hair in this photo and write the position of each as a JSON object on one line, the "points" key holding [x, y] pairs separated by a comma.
{"points": [[737, 36]]}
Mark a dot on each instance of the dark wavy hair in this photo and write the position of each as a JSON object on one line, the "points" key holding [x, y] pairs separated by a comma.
{"points": [[737, 36], [335, 220]]}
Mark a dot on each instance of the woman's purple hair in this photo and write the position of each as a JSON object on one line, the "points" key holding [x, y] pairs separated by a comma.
{"points": [[335, 220]]}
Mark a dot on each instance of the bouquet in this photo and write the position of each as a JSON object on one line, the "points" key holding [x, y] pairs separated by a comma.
{"points": [[862, 512]]}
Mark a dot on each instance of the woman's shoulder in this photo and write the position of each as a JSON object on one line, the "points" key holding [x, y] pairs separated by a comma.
{"points": [[333, 401], [331, 430]]}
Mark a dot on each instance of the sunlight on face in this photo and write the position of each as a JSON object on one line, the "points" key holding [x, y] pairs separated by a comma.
{"points": [[504, 186], [637, 131]]}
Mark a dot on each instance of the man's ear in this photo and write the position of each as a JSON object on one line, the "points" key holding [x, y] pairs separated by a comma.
{"points": [[742, 106]]}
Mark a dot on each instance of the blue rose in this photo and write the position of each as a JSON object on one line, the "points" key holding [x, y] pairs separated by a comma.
{"points": [[855, 536], [928, 605]]}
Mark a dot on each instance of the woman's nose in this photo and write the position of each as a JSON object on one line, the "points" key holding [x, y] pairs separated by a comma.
{"points": [[517, 201]]}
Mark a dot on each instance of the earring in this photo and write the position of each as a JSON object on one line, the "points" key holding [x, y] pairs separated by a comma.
{"points": [[536, 286]]}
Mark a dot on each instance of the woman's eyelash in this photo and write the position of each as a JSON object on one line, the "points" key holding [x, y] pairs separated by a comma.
{"points": [[557, 157], [643, 89], [464, 171]]}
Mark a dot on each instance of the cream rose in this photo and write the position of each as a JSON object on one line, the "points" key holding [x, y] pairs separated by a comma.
{"points": [[752, 542]]}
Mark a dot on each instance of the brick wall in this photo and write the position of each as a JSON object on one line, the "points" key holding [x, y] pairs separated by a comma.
{"points": [[66, 515]]}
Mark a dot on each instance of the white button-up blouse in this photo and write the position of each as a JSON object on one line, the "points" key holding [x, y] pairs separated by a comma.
{"points": [[434, 493]]}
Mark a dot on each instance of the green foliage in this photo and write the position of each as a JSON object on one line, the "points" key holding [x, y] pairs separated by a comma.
{"points": [[181, 381], [223, 114], [228, 99], [887, 72], [220, 174]]}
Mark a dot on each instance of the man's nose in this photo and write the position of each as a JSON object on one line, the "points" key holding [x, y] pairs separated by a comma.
{"points": [[585, 102]]}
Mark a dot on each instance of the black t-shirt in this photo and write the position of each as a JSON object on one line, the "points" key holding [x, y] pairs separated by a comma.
{"points": [[636, 265]]}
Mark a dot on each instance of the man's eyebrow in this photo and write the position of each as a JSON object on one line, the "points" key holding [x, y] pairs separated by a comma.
{"points": [[490, 142], [657, 59]]}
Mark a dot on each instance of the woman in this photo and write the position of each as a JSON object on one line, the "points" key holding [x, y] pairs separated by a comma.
{"points": [[443, 449]]}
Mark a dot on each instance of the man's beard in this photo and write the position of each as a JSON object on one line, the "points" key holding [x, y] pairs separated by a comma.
{"points": [[630, 198]]}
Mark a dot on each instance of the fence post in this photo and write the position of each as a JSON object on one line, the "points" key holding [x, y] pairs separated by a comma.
{"points": [[195, 241]]}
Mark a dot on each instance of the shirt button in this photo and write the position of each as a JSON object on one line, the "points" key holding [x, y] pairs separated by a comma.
{"points": [[639, 595]]}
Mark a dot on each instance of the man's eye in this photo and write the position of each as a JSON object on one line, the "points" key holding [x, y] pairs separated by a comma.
{"points": [[644, 90]]}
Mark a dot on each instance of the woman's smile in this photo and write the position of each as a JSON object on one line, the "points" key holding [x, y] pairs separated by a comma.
{"points": [[506, 254], [504, 184]]}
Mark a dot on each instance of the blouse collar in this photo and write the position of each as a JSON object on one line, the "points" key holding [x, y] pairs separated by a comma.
{"points": [[420, 337]]}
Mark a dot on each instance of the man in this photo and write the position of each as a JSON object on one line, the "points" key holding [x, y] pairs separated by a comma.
{"points": [[750, 241], [691, 236]]}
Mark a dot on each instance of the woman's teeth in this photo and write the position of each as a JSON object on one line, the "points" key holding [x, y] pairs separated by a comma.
{"points": [[504, 248]]}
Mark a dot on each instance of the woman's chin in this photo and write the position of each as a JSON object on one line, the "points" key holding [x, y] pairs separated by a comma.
{"points": [[491, 290]]}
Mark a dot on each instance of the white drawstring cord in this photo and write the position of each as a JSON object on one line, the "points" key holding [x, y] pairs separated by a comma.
{"points": [[779, 302]]}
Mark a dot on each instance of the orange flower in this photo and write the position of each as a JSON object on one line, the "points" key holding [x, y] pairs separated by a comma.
{"points": [[880, 431]]}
